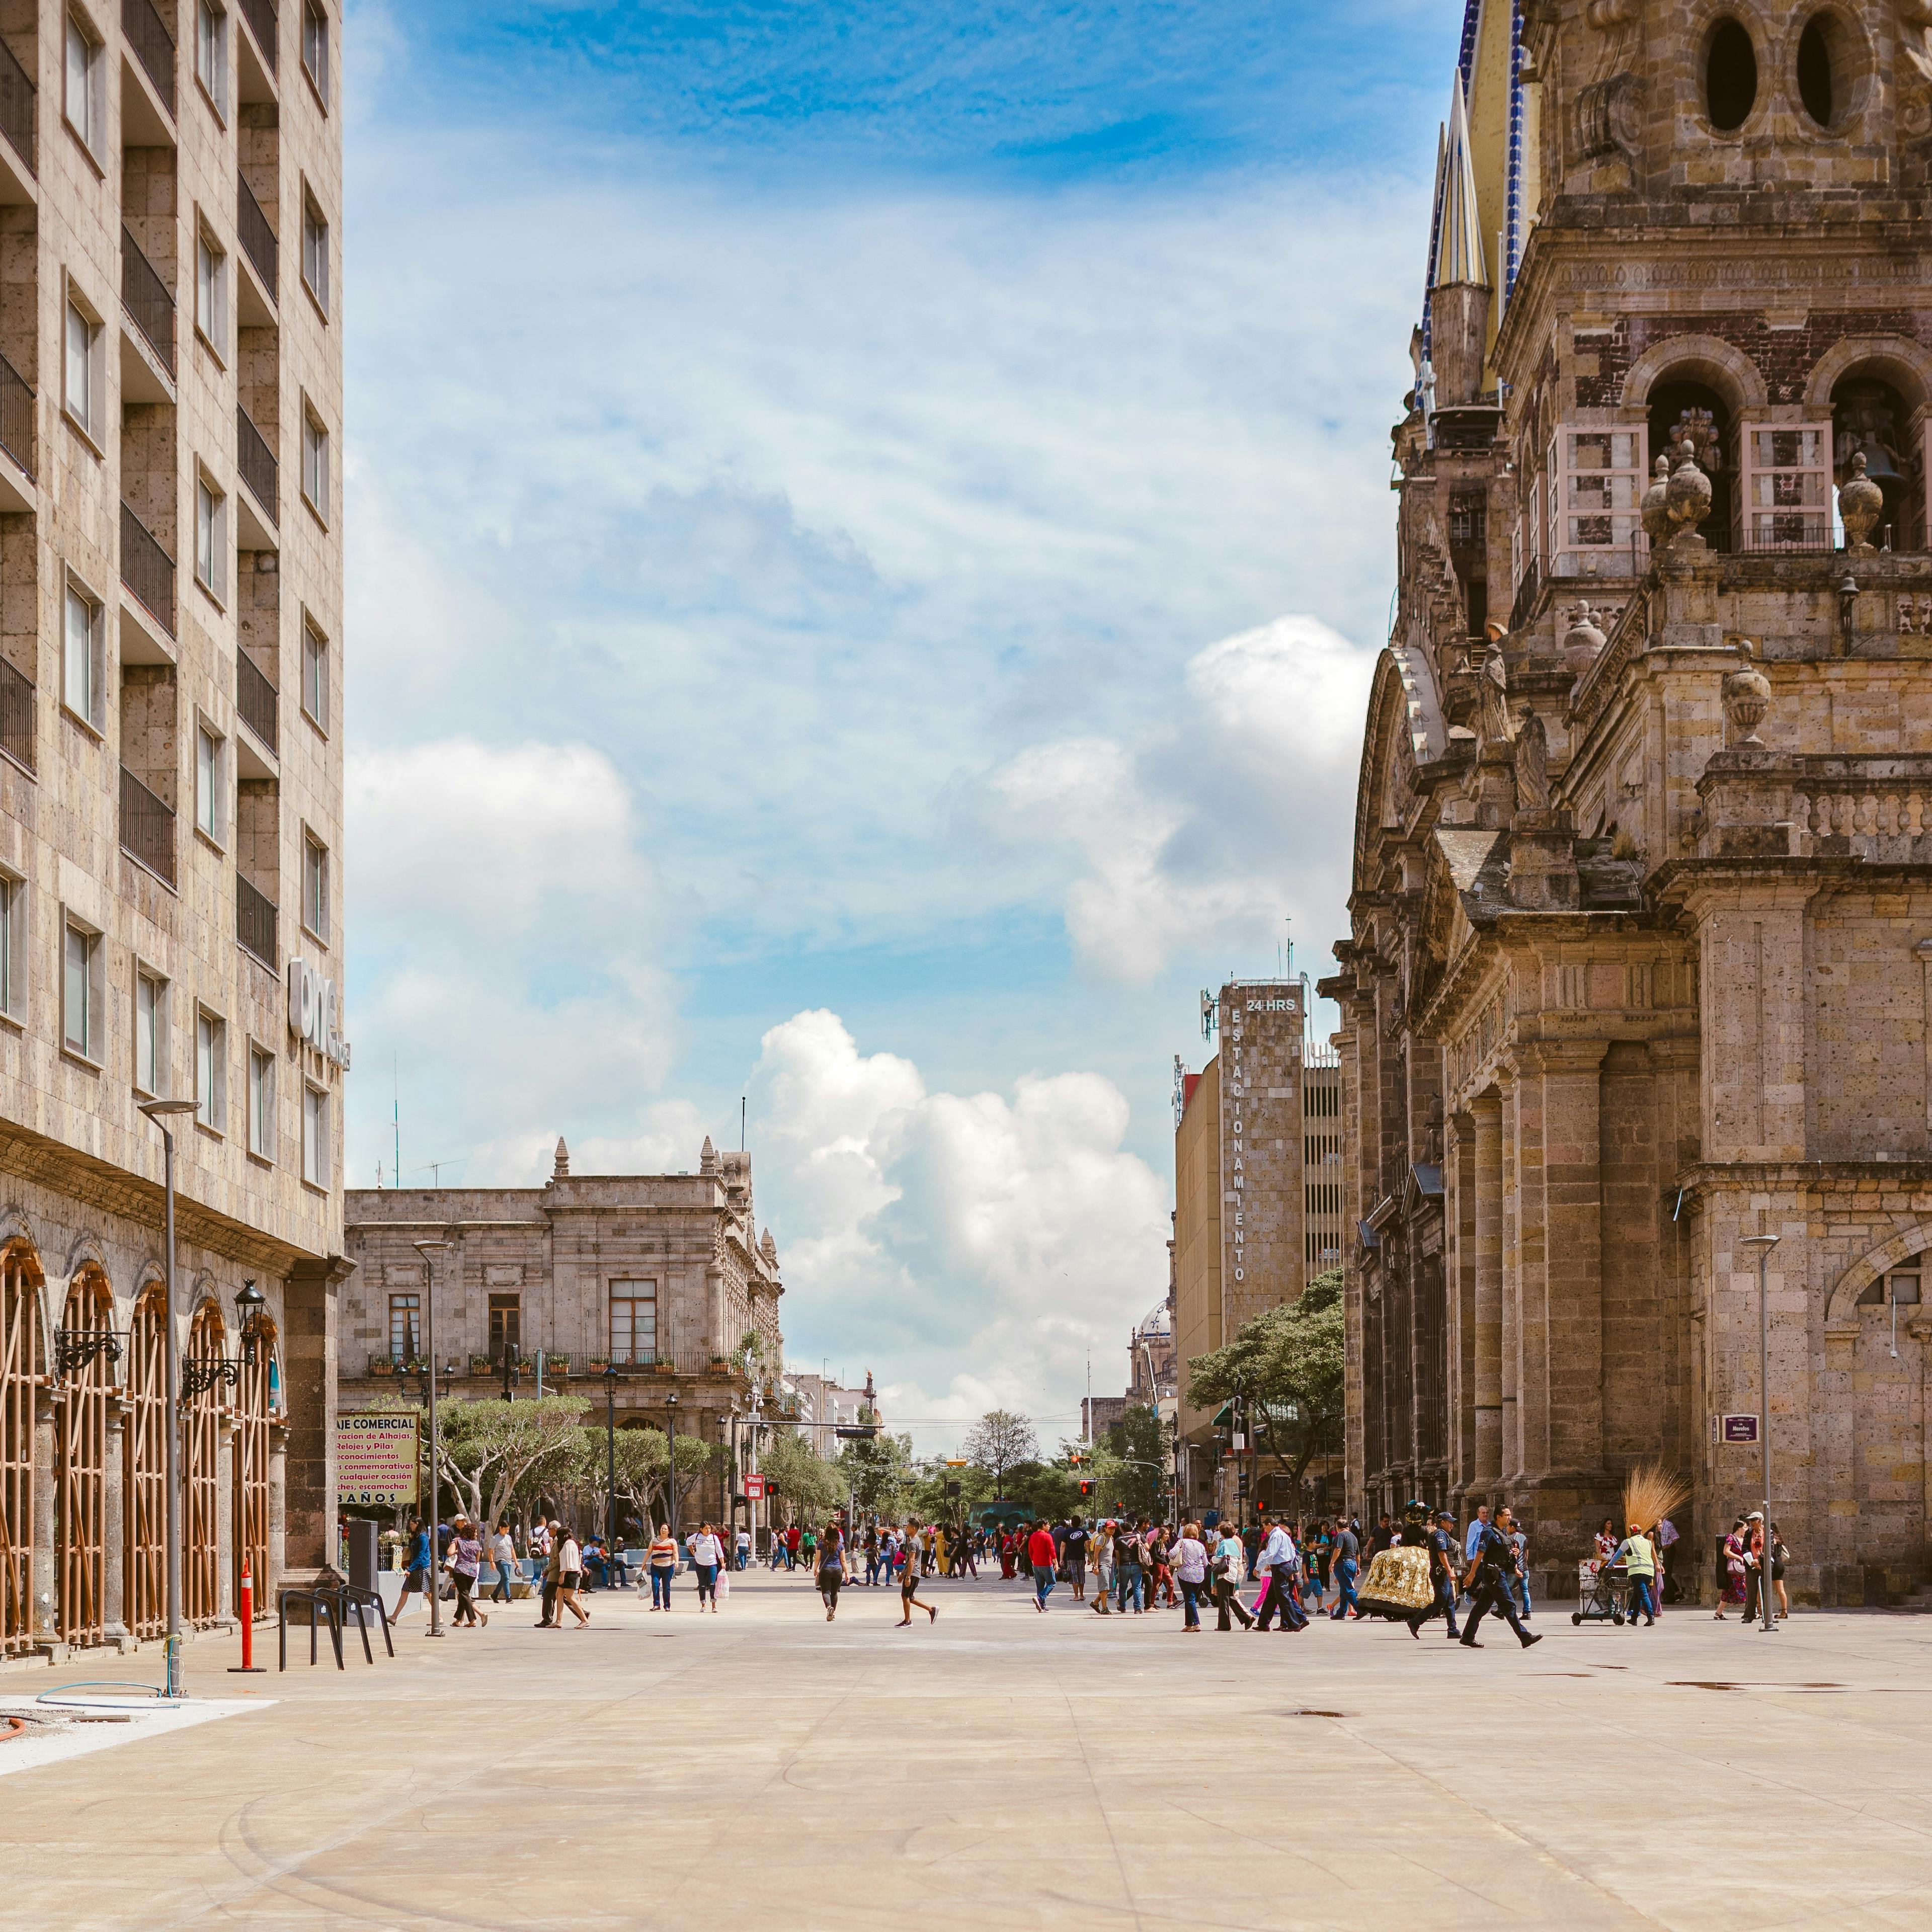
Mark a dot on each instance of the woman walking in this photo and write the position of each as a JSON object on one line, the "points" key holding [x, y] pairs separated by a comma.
{"points": [[503, 1554], [465, 1560], [1103, 1568], [1229, 1557], [1731, 1557], [1188, 1556], [569, 1579], [909, 1600], [831, 1568], [661, 1561], [707, 1553]]}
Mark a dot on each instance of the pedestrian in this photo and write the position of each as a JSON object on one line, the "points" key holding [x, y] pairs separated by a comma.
{"points": [[1073, 1557], [415, 1576], [1667, 1540], [465, 1560], [1189, 1557], [1755, 1568], [1230, 1559], [1045, 1559], [1731, 1568], [707, 1557], [503, 1554], [1313, 1540], [1491, 1573], [1780, 1556], [1607, 1540], [967, 1556], [1639, 1561], [1160, 1568], [742, 1545], [1472, 1540], [553, 1551], [831, 1568], [570, 1579], [1103, 1567], [1519, 1583], [791, 1547], [1382, 1537], [660, 1561], [1347, 1566], [909, 1598], [1277, 1561], [808, 1548], [1252, 1540], [1129, 1563], [1442, 1567]]}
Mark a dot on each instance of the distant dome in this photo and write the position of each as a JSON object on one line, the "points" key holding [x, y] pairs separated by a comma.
{"points": [[1155, 1324]]}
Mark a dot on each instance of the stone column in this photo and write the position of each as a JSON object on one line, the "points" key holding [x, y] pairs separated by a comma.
{"points": [[1751, 983], [114, 1528], [1511, 1380], [1459, 1288], [1571, 1426], [43, 1572], [1486, 1113], [308, 1361], [278, 1517]]}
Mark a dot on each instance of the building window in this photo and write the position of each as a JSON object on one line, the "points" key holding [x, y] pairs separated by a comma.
{"points": [[86, 101], [261, 1103], [210, 1071], [211, 53], [81, 990], [207, 782], [80, 656], [633, 1321], [151, 1034], [315, 47], [13, 946], [403, 1326], [211, 539], [315, 1136], [211, 292], [315, 887], [506, 1327], [315, 465], [315, 676], [86, 370], [315, 252]]}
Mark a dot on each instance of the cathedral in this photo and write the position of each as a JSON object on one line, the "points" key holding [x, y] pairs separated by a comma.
{"points": [[1636, 997]]}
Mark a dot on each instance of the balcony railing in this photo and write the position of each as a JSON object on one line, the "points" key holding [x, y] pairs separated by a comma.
{"points": [[17, 416], [255, 922], [259, 470], [145, 297], [17, 715], [258, 238], [260, 15], [255, 699], [16, 106], [147, 826], [153, 46], [147, 570]]}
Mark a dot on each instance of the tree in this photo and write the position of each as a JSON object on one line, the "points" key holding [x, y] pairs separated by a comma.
{"points": [[1131, 1466], [808, 1486], [1000, 1440], [642, 1467], [878, 1471], [1286, 1366], [488, 1450]]}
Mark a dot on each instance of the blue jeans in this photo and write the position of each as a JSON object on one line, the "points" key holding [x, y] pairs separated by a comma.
{"points": [[1521, 1585], [1128, 1584], [1640, 1601], [707, 1583], [1344, 1589], [872, 1568], [661, 1582], [1042, 1583], [1190, 1599]]}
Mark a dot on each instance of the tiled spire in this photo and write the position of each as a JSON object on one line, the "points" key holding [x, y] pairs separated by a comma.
{"points": [[1457, 247]]}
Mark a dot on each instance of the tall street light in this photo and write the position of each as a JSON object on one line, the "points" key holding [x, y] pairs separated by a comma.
{"points": [[670, 1452], [429, 1250], [1764, 1244], [158, 1111]]}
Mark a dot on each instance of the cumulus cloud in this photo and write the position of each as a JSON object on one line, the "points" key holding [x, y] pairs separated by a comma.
{"points": [[1199, 834], [975, 1247]]}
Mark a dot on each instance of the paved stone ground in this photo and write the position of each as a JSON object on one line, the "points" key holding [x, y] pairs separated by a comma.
{"points": [[763, 1769]]}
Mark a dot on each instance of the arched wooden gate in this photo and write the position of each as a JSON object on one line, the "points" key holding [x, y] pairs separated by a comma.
{"points": [[146, 1512], [22, 1363], [80, 1546], [201, 1554], [251, 1469]]}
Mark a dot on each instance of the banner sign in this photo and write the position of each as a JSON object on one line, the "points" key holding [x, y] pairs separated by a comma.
{"points": [[754, 1489], [375, 1459]]}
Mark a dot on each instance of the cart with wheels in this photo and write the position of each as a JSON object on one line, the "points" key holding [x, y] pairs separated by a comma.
{"points": [[1603, 1592]]}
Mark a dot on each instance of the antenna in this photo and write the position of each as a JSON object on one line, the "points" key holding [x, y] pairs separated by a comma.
{"points": [[396, 1112], [741, 1123]]}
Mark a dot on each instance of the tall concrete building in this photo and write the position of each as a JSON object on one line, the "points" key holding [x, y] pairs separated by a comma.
{"points": [[666, 1275], [1637, 976], [170, 793]]}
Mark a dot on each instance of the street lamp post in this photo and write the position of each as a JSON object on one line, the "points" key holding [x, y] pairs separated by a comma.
{"points": [[611, 1451], [671, 1458], [158, 1111], [1764, 1244], [429, 1250]]}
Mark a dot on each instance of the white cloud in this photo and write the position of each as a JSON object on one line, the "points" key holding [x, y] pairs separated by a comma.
{"points": [[1198, 836], [971, 1247]]}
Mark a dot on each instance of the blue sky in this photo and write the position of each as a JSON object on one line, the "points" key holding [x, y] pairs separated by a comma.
{"points": [[868, 529]]}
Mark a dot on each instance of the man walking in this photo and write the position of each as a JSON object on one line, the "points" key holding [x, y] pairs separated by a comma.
{"points": [[503, 1554], [1441, 1574], [1639, 1560], [1277, 1558], [416, 1575], [1491, 1573], [1348, 1565], [1040, 1550]]}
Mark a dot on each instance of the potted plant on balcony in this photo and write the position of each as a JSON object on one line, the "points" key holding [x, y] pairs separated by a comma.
{"points": [[480, 1365], [561, 1363], [658, 1366], [381, 1365], [598, 1364]]}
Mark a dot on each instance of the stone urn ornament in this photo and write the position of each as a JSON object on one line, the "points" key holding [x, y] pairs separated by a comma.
{"points": [[1747, 699], [1861, 504], [1686, 497], [1583, 641], [1654, 509]]}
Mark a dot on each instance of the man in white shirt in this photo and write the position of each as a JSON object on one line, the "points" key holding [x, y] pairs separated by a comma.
{"points": [[503, 1554], [1278, 1559], [742, 1542]]}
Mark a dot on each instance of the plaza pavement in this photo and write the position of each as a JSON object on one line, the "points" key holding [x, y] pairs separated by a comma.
{"points": [[763, 1769]]}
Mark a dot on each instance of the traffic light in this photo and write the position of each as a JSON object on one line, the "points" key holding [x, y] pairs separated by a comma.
{"points": [[1086, 1486]]}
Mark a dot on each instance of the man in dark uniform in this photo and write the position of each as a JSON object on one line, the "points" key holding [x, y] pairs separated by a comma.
{"points": [[1490, 1578], [1442, 1554]]}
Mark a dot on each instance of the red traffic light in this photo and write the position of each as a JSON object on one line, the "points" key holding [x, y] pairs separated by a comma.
{"points": [[1086, 1486]]}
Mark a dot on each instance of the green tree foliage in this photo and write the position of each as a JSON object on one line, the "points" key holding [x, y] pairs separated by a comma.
{"points": [[1000, 1440], [488, 1450], [878, 1471], [642, 1462], [1287, 1366], [1131, 1466], [809, 1487]]}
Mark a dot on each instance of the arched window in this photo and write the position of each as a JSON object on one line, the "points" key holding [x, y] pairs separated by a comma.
{"points": [[1870, 417], [1678, 408], [1730, 76]]}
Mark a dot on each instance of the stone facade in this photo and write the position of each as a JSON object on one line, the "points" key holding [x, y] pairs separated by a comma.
{"points": [[1643, 907], [170, 329], [665, 1274]]}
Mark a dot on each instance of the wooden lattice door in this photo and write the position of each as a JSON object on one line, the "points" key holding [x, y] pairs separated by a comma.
{"points": [[251, 1472], [146, 1514], [201, 1532], [22, 1362], [80, 1548]]}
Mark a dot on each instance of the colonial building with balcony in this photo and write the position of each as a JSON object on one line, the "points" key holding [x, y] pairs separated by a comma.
{"points": [[1639, 969], [664, 1278]]}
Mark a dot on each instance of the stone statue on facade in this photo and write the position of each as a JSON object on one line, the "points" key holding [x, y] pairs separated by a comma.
{"points": [[1494, 716], [1532, 766]]}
